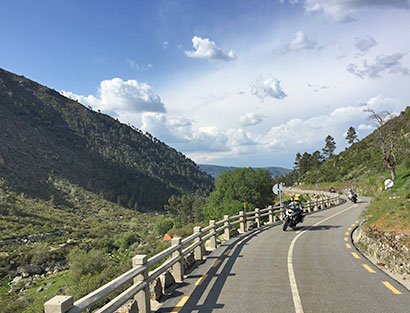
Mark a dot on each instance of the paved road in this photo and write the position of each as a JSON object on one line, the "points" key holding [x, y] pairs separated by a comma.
{"points": [[311, 270]]}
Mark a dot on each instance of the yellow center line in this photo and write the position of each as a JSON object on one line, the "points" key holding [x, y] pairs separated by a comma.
{"points": [[257, 232], [353, 224], [368, 268], [346, 239], [349, 228], [180, 304], [355, 255], [237, 244], [227, 251], [348, 246], [357, 222], [199, 281], [394, 290], [216, 263], [346, 233]]}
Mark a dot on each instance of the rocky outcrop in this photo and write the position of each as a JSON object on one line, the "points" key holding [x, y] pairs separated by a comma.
{"points": [[30, 238], [386, 249]]}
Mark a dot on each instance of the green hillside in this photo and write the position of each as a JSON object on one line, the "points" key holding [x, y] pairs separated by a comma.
{"points": [[45, 136]]}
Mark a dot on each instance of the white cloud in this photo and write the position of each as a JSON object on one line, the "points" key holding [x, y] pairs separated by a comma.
{"points": [[267, 87], [118, 97], [383, 64], [301, 42], [364, 44], [181, 134], [249, 119], [206, 49], [365, 127], [344, 10], [135, 66], [238, 137], [379, 104], [165, 45]]}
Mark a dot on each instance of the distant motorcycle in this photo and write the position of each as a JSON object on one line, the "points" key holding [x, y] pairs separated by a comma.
{"points": [[352, 197], [293, 216], [332, 190]]}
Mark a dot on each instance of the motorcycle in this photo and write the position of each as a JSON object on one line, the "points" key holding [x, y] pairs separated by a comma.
{"points": [[352, 197], [292, 217]]}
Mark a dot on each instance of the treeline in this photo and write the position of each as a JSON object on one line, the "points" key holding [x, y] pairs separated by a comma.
{"points": [[234, 191]]}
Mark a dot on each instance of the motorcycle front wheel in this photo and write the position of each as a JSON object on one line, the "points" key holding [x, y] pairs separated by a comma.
{"points": [[285, 224]]}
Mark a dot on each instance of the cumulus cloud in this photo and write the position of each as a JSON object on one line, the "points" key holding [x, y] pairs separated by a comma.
{"points": [[364, 44], [165, 45], [238, 137], [117, 97], [249, 119], [206, 49], [183, 135], [301, 42], [267, 87], [343, 10], [383, 64], [365, 127]]}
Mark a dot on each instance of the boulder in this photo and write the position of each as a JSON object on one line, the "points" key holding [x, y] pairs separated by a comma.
{"points": [[130, 306], [16, 280], [29, 270], [167, 282], [155, 288]]}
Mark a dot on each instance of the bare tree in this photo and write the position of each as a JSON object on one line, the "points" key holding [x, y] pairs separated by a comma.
{"points": [[386, 139]]}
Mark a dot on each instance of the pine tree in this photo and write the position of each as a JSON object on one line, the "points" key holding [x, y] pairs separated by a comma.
{"points": [[330, 147], [351, 135]]}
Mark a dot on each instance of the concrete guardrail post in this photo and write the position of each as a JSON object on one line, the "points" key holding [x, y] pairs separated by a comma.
{"points": [[242, 222], [227, 231], [198, 251], [316, 206], [309, 206], [257, 218], [142, 297], [59, 304], [271, 217], [177, 268], [212, 240]]}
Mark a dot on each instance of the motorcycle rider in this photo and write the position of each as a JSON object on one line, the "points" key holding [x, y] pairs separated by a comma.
{"points": [[351, 194], [298, 206]]}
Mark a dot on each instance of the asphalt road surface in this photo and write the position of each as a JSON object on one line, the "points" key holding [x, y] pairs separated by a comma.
{"points": [[312, 269]]}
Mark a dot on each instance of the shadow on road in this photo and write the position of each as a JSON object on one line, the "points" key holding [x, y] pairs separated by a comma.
{"points": [[213, 282], [320, 227]]}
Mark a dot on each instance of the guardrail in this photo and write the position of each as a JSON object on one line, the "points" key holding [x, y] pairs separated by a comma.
{"points": [[174, 258]]}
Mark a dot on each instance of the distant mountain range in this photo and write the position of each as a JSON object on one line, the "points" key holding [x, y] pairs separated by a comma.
{"points": [[216, 170]]}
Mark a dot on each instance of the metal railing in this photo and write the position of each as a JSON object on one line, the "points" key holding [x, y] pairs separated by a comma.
{"points": [[174, 258]]}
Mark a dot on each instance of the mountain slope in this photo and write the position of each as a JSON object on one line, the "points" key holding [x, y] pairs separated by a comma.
{"points": [[216, 170], [45, 136]]}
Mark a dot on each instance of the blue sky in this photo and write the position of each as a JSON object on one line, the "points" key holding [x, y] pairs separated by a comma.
{"points": [[241, 83]]}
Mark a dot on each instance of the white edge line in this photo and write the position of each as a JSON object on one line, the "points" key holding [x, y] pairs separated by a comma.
{"points": [[292, 279]]}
